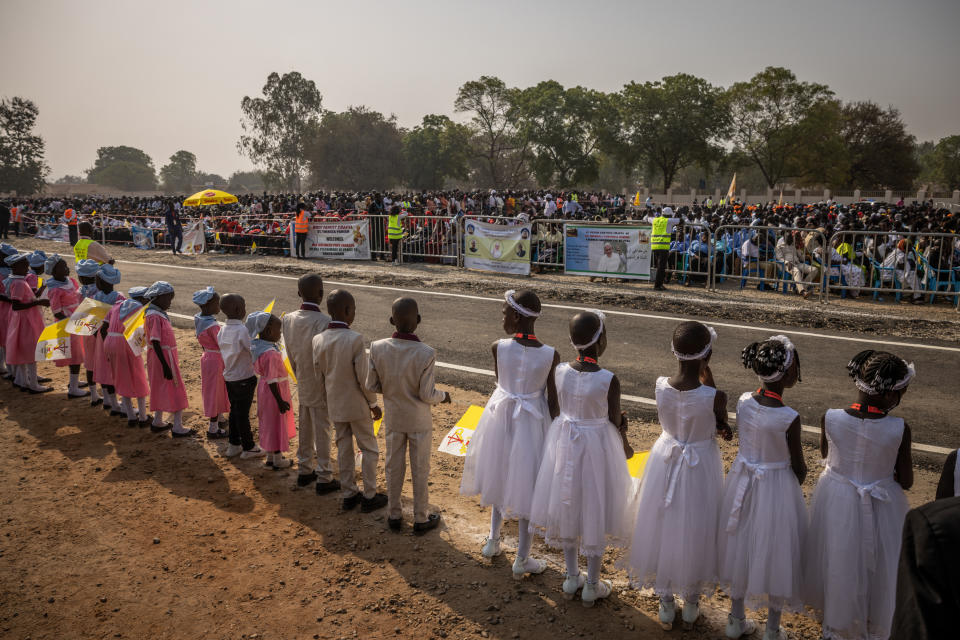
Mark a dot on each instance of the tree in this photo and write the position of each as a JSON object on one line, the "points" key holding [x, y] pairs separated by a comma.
{"points": [[564, 128], [946, 162], [496, 143], [69, 179], [880, 151], [123, 167], [180, 174], [670, 124], [246, 181], [22, 168], [278, 127], [357, 149], [768, 114], [434, 151]]}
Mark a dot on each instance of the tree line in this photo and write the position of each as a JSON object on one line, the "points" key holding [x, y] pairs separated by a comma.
{"points": [[772, 129]]}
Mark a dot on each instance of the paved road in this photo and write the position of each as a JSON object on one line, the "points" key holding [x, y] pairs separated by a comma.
{"points": [[462, 328]]}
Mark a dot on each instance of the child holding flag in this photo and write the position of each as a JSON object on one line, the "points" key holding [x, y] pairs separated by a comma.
{"points": [[167, 392], [5, 251], [25, 326], [87, 274], [107, 277], [130, 379], [64, 295], [212, 386], [274, 415]]}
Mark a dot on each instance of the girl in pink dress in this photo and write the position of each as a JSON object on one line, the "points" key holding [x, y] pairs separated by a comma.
{"points": [[37, 261], [130, 378], [5, 251], [167, 392], [25, 326], [212, 386], [276, 423], [107, 277], [87, 274], [64, 295]]}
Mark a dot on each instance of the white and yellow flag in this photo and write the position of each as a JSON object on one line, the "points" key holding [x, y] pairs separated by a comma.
{"points": [[88, 317], [282, 346], [134, 331], [54, 342], [732, 189]]}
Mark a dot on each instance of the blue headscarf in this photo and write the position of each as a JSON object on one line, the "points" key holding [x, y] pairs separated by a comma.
{"points": [[37, 259], [157, 289], [50, 263], [203, 296], [87, 268], [127, 308], [136, 292], [109, 274], [14, 258], [257, 322]]}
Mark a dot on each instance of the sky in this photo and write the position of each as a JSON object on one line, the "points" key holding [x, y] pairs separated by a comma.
{"points": [[170, 75]]}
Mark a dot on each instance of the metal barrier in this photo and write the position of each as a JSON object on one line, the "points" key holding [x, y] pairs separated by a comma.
{"points": [[430, 239], [546, 244], [686, 259]]}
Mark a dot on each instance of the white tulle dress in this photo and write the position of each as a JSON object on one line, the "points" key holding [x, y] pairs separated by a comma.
{"points": [[856, 521], [504, 454], [674, 545], [763, 518], [584, 497]]}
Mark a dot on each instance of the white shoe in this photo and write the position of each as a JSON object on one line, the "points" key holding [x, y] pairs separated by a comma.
{"points": [[668, 612], [572, 584], [491, 548], [775, 634], [737, 627], [256, 452], [522, 566], [691, 611], [281, 463], [233, 450], [593, 591]]}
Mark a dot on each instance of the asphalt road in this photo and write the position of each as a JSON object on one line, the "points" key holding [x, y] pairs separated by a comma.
{"points": [[462, 327]]}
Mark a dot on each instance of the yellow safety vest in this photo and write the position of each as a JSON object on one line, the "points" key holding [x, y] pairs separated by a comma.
{"points": [[394, 229], [80, 249], [660, 239]]}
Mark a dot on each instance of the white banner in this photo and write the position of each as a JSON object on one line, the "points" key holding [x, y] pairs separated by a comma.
{"points": [[194, 240], [348, 240], [58, 233], [619, 251], [497, 247]]}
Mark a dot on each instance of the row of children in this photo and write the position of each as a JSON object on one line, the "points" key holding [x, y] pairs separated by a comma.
{"points": [[550, 450]]}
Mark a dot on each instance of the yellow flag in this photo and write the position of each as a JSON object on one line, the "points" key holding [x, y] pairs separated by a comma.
{"points": [[733, 187], [781, 197], [282, 346], [637, 463], [54, 342], [134, 331], [39, 282], [269, 307], [88, 317], [217, 236], [458, 438], [636, 199], [253, 248]]}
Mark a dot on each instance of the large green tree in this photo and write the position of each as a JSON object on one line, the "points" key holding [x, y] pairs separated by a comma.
{"points": [[246, 181], [279, 126], [564, 128], [124, 168], [22, 168], [946, 162], [499, 152], [669, 124], [357, 149], [435, 150], [180, 173], [880, 151], [770, 116]]}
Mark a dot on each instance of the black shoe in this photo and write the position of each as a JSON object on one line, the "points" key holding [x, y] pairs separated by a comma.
{"points": [[43, 380], [422, 527], [219, 434], [323, 488], [133, 424], [306, 479], [161, 428], [144, 423], [348, 504], [182, 434], [97, 402], [114, 412], [72, 396], [34, 392], [395, 524], [378, 501]]}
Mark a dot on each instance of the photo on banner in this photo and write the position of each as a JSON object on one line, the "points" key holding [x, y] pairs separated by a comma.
{"points": [[347, 240], [57, 233], [610, 251], [142, 237], [496, 247], [194, 240]]}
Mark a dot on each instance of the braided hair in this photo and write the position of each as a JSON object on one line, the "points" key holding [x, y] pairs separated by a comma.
{"points": [[877, 372], [771, 358]]}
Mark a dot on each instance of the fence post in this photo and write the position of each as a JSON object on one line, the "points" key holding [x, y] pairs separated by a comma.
{"points": [[103, 230]]}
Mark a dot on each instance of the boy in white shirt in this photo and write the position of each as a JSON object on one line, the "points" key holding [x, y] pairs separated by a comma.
{"points": [[234, 342]]}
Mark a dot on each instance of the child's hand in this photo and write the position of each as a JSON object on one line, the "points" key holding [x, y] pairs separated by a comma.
{"points": [[283, 405], [623, 421], [376, 413], [446, 398], [725, 432], [167, 372], [43, 302]]}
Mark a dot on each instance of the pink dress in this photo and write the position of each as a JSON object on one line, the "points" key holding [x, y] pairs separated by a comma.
{"points": [[130, 378], [276, 429], [89, 342], [32, 279], [102, 371], [212, 386], [5, 310], [65, 300], [165, 395], [25, 326]]}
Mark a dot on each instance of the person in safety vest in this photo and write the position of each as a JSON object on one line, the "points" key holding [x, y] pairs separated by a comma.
{"points": [[663, 224], [85, 248], [395, 231], [70, 217], [301, 228]]}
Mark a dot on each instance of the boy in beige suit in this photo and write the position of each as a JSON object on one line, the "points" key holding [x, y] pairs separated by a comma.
{"points": [[299, 328], [401, 368], [340, 364]]}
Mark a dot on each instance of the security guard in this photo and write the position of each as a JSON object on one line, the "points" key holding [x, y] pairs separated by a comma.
{"points": [[663, 226], [71, 217], [395, 232], [301, 227]]}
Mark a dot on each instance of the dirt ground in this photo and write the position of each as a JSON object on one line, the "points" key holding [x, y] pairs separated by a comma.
{"points": [[112, 532]]}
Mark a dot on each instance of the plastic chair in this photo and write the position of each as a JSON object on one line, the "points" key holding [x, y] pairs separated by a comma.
{"points": [[941, 278], [746, 273], [878, 270], [785, 276]]}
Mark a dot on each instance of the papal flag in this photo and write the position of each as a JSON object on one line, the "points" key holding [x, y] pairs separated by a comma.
{"points": [[732, 189], [281, 345], [54, 342], [636, 199], [134, 331], [88, 317]]}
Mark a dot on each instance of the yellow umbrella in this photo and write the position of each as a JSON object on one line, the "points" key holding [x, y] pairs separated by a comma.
{"points": [[209, 196]]}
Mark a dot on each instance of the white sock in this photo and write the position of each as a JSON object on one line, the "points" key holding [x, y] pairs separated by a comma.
{"points": [[158, 418], [94, 396], [18, 375], [496, 521], [32, 375], [142, 408], [214, 426], [114, 405], [571, 561], [74, 384], [593, 569], [128, 407], [178, 421]]}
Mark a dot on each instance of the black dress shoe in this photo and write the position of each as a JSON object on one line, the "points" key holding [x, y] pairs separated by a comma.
{"points": [[133, 423], [378, 501], [97, 402], [323, 488], [348, 504], [182, 434], [422, 527], [114, 412], [73, 396], [161, 428], [306, 479], [395, 524], [44, 380], [34, 392]]}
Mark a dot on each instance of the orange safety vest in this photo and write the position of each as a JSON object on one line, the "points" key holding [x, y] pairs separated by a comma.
{"points": [[71, 217], [15, 214], [303, 223]]}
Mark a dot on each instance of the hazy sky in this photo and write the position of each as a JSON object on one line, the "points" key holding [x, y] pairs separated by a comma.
{"points": [[170, 74]]}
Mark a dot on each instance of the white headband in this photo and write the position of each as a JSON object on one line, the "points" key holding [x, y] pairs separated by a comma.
{"points": [[702, 354], [900, 384], [788, 360], [596, 336], [519, 308]]}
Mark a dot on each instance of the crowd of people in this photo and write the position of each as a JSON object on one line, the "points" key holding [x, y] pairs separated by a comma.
{"points": [[551, 447]]}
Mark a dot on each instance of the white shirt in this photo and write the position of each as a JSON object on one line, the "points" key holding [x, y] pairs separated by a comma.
{"points": [[234, 341], [749, 250]]}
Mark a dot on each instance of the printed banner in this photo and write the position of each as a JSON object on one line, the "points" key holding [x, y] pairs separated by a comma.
{"points": [[58, 233], [495, 247], [194, 240], [88, 317], [618, 251], [142, 237], [54, 342], [457, 439], [347, 240]]}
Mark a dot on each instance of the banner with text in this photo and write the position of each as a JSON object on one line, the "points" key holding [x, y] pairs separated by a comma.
{"points": [[617, 251], [496, 247], [348, 240]]}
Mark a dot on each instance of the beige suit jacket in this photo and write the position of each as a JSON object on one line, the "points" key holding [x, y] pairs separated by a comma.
{"points": [[402, 370], [299, 328], [340, 364]]}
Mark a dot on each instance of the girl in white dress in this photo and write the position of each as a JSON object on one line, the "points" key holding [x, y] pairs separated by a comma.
{"points": [[504, 454], [583, 499], [763, 518], [858, 508], [674, 548]]}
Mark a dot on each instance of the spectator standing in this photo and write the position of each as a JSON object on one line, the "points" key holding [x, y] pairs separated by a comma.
{"points": [[174, 229]]}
